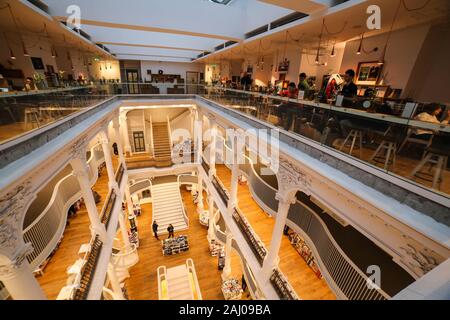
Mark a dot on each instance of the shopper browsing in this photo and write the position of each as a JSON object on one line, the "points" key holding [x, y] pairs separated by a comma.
{"points": [[155, 229], [303, 84], [170, 229]]}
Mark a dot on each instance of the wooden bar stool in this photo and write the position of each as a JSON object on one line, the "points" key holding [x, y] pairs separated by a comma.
{"points": [[385, 153], [437, 158], [31, 117], [352, 137]]}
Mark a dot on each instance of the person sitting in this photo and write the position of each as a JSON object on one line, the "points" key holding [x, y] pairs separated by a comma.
{"points": [[430, 114], [291, 92], [29, 85]]}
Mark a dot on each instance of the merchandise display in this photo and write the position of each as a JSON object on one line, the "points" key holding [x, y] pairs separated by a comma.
{"points": [[204, 218], [175, 245], [306, 253], [232, 289]]}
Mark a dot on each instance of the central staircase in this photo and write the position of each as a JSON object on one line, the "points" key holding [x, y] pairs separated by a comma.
{"points": [[178, 283], [168, 207], [161, 142]]}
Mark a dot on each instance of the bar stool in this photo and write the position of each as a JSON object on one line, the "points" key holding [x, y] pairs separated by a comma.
{"points": [[436, 156], [354, 135], [32, 117], [386, 152], [410, 139]]}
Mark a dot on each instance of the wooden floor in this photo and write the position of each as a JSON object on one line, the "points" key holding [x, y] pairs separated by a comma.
{"points": [[142, 284], [301, 277], [77, 233]]}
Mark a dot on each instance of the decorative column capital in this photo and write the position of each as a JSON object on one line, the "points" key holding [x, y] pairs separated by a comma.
{"points": [[285, 198], [81, 172], [78, 149], [8, 268], [13, 206], [292, 178]]}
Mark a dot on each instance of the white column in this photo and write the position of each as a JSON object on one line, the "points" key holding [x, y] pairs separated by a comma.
{"points": [[19, 280], [124, 229], [198, 137], [212, 150], [234, 177], [116, 126], [112, 183], [226, 274], [80, 170], [124, 126], [200, 207], [211, 234], [270, 262], [115, 284]]}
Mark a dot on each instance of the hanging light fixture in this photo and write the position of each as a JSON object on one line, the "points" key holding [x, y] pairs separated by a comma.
{"points": [[383, 54], [12, 56], [25, 51], [360, 44], [333, 51], [54, 54], [320, 42]]}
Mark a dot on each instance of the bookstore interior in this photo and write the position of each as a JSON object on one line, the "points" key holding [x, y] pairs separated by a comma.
{"points": [[291, 150]]}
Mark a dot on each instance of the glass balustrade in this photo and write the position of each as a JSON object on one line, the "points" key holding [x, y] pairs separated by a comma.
{"points": [[381, 134]]}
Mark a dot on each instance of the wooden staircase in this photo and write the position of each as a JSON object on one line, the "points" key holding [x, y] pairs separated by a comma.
{"points": [[161, 142]]}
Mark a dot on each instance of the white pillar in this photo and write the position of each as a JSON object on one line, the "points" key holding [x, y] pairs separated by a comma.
{"points": [[270, 262], [198, 137], [19, 280], [115, 284], [226, 274], [129, 200], [234, 177], [112, 183], [211, 234], [200, 207], [116, 126], [80, 170], [212, 150], [124, 126], [124, 229]]}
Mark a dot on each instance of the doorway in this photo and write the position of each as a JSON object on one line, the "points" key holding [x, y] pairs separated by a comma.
{"points": [[192, 82], [132, 76], [139, 141]]}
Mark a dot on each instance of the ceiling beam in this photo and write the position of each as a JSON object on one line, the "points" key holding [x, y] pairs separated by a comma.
{"points": [[149, 46], [305, 6]]}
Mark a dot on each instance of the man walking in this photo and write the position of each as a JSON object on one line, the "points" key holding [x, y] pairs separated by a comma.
{"points": [[155, 229], [170, 229]]}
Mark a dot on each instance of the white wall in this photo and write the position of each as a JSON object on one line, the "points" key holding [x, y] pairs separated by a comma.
{"points": [[178, 68], [401, 55], [308, 65]]}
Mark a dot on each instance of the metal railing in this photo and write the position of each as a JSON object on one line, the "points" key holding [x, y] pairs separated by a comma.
{"points": [[88, 272], [282, 286], [223, 193], [108, 208], [250, 236]]}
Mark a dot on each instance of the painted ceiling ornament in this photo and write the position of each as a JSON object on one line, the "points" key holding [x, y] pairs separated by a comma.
{"points": [[12, 209], [78, 148], [421, 263], [291, 176], [10, 267]]}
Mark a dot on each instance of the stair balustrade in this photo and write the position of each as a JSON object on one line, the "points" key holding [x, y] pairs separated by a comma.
{"points": [[250, 236]]}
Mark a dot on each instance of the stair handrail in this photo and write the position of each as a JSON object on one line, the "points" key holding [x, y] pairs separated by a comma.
{"points": [[190, 267], [151, 136], [169, 129], [162, 276]]}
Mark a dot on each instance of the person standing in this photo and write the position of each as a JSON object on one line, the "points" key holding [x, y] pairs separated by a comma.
{"points": [[155, 229], [303, 84], [170, 229]]}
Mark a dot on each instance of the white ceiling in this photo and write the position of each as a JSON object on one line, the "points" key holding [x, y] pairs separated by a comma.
{"points": [[170, 28]]}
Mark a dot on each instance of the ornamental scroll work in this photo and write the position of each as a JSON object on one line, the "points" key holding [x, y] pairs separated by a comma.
{"points": [[12, 209], [79, 148], [9, 268], [292, 177]]}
